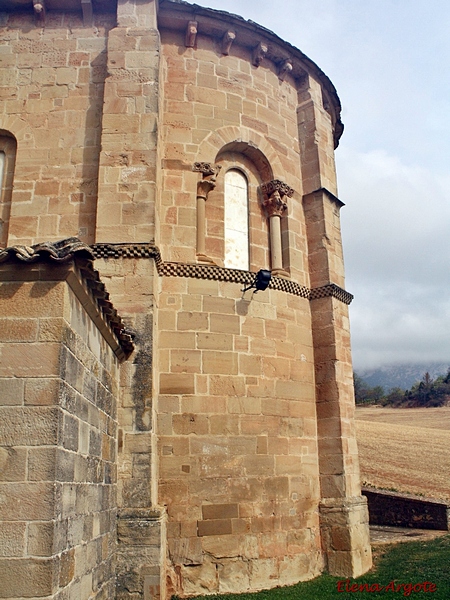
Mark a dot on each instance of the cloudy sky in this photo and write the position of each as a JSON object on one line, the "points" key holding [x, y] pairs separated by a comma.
{"points": [[390, 63]]}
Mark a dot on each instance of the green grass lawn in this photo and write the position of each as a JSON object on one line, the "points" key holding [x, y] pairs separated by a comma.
{"points": [[407, 563]]}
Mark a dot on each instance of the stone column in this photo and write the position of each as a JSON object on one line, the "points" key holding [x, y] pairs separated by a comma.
{"points": [[343, 511], [204, 186], [275, 192]]}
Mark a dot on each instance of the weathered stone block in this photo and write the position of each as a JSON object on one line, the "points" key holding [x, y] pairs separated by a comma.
{"points": [[12, 464], [30, 360], [219, 511], [192, 321], [47, 299], [41, 392], [40, 538], [12, 539], [176, 383], [18, 330], [186, 551], [202, 576], [185, 361], [225, 323], [190, 423], [219, 362], [30, 426], [26, 578], [11, 391], [214, 527], [214, 341], [42, 464], [234, 576], [27, 501]]}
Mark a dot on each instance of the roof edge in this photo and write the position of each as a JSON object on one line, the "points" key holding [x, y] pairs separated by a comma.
{"points": [[74, 251]]}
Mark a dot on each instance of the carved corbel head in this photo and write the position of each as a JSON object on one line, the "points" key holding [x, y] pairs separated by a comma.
{"points": [[39, 10], [285, 68], [259, 53], [209, 176], [227, 40], [275, 193], [191, 34]]}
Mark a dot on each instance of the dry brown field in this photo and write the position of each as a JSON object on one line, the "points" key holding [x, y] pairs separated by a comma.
{"points": [[407, 450]]}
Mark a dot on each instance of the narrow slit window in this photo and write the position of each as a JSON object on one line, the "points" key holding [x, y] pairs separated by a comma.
{"points": [[237, 254]]}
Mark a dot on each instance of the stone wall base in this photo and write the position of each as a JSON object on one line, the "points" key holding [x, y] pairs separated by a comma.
{"points": [[344, 524], [141, 550]]}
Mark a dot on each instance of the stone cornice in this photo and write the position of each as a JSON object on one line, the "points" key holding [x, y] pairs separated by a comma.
{"points": [[327, 193]]}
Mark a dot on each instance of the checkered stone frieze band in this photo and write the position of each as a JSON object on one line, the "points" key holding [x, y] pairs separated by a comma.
{"points": [[126, 251], [332, 290], [215, 273], [232, 275]]}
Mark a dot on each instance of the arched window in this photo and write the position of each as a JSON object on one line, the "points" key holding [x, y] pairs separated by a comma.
{"points": [[236, 221], [8, 146], [232, 227]]}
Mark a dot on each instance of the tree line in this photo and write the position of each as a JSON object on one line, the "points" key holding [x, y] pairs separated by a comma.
{"points": [[425, 393]]}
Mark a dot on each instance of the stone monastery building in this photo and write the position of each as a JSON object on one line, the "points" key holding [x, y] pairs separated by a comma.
{"points": [[161, 431]]}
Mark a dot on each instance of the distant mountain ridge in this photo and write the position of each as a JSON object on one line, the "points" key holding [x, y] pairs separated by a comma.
{"points": [[403, 376]]}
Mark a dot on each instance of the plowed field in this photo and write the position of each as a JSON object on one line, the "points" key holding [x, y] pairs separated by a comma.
{"points": [[405, 449]]}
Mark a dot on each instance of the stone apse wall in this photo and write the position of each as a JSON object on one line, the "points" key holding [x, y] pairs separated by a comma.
{"points": [[190, 149]]}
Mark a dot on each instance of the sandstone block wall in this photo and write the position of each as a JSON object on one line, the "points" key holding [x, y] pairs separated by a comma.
{"points": [[58, 429], [51, 88], [237, 438]]}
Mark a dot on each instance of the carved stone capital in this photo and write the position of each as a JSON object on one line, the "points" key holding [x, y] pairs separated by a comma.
{"points": [[206, 168], [276, 185], [274, 205], [204, 187], [275, 192], [208, 181]]}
